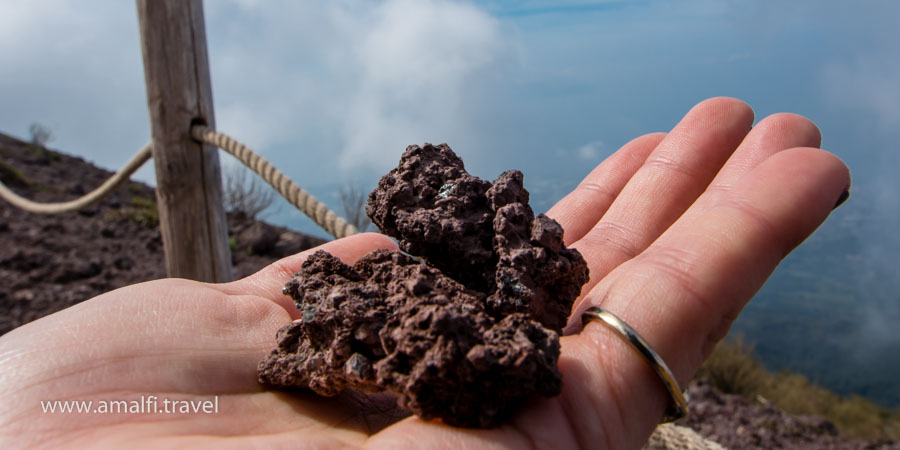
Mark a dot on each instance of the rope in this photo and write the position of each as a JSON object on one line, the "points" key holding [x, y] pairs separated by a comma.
{"points": [[297, 196], [142, 156]]}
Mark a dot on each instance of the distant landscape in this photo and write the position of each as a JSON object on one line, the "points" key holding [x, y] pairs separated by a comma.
{"points": [[831, 309]]}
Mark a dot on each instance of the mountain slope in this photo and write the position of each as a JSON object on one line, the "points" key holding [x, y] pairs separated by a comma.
{"points": [[49, 262]]}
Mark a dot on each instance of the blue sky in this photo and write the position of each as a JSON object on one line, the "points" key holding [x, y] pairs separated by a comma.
{"points": [[333, 91]]}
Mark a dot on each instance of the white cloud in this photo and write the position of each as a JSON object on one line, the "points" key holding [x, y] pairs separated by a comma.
{"points": [[590, 151], [253, 124], [415, 45], [416, 62], [20, 23], [324, 90], [353, 82], [76, 68], [865, 88], [869, 83]]}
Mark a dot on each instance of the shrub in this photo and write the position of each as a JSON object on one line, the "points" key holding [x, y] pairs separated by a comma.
{"points": [[353, 201], [40, 135], [143, 212], [244, 193], [862, 416], [134, 188], [734, 369], [11, 176]]}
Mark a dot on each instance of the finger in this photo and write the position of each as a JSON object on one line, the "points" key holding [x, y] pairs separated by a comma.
{"points": [[771, 135], [673, 176], [578, 211], [267, 283], [683, 292]]}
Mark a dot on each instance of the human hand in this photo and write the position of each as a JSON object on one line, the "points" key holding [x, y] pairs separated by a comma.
{"points": [[679, 231]]}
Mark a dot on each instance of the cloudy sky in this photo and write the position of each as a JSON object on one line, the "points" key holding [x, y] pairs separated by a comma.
{"points": [[333, 91]]}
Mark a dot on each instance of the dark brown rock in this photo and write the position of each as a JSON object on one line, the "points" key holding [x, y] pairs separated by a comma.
{"points": [[483, 235], [392, 323], [467, 331]]}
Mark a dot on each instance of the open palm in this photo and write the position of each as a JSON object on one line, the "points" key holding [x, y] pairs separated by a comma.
{"points": [[679, 231]]}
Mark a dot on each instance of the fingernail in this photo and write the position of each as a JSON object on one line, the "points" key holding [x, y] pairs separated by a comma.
{"points": [[843, 198]]}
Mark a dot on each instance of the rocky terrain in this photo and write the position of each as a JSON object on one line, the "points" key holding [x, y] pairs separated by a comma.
{"points": [[735, 422], [49, 262]]}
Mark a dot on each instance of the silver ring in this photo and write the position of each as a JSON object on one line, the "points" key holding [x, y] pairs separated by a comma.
{"points": [[678, 409]]}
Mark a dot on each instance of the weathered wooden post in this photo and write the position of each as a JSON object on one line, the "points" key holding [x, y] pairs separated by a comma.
{"points": [[188, 186]]}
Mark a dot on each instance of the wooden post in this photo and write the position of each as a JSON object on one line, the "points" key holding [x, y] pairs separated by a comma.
{"points": [[188, 185]]}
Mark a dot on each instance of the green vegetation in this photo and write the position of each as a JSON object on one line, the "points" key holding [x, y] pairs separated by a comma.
{"points": [[143, 211], [11, 176], [232, 243], [38, 152], [135, 188], [40, 137], [38, 187], [733, 368]]}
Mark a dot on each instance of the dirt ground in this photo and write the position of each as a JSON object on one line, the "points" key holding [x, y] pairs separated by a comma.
{"points": [[50, 262]]}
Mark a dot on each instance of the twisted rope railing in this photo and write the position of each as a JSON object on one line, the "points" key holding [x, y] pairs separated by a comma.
{"points": [[297, 196], [142, 156]]}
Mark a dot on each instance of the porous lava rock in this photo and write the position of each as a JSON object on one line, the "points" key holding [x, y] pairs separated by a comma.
{"points": [[481, 234], [464, 325]]}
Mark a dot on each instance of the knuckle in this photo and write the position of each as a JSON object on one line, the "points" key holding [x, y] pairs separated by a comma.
{"points": [[593, 189], [668, 163], [614, 237]]}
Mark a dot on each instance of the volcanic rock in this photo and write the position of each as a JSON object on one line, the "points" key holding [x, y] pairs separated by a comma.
{"points": [[464, 325]]}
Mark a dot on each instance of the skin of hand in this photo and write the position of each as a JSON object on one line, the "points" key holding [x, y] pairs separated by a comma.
{"points": [[679, 230]]}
